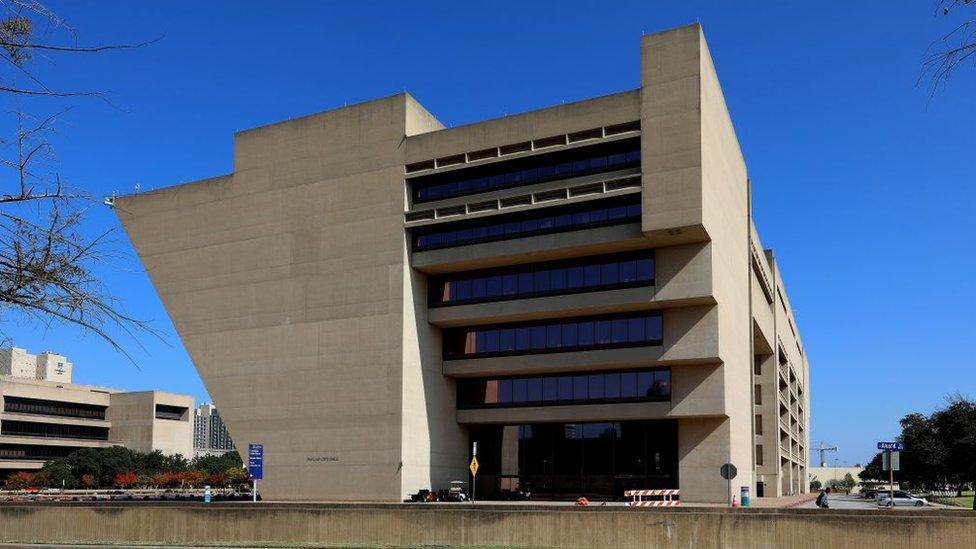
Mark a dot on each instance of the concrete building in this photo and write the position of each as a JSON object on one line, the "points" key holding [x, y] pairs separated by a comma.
{"points": [[42, 420], [210, 435], [834, 475], [579, 289], [46, 366], [145, 421]]}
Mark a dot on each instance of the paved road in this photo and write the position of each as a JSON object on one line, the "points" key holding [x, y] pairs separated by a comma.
{"points": [[840, 501]]}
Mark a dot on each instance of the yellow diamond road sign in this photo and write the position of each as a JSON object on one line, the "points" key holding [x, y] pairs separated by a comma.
{"points": [[474, 466]]}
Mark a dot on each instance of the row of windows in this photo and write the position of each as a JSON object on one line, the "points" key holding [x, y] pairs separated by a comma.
{"points": [[554, 336], [52, 408], [29, 429], [537, 169], [545, 279], [550, 220], [553, 390], [22, 451]]}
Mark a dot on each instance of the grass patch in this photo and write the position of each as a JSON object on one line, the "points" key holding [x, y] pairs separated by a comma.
{"points": [[966, 501]]}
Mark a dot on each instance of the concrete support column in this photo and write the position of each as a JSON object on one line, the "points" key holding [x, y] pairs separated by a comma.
{"points": [[703, 446]]}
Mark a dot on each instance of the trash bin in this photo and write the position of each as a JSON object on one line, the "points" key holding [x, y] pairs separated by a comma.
{"points": [[744, 496]]}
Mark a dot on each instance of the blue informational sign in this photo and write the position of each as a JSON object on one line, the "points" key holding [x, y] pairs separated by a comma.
{"points": [[255, 460], [896, 446]]}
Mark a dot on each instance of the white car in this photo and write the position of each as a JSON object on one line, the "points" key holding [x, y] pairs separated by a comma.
{"points": [[902, 499]]}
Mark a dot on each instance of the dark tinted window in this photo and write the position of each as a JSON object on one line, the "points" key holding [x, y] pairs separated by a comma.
{"points": [[633, 329], [49, 430], [549, 278], [527, 171], [550, 220], [52, 408], [585, 388]]}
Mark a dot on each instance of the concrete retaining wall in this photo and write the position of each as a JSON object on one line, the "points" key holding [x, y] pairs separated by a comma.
{"points": [[460, 525]]}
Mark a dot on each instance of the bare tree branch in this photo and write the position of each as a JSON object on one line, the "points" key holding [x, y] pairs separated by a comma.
{"points": [[48, 93], [47, 261], [951, 51], [77, 49]]}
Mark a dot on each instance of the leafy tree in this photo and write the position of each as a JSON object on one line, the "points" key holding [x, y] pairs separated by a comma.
{"points": [[60, 474], [19, 480], [849, 483], [194, 479], [815, 485], [171, 479], [217, 479], [150, 463], [119, 466], [125, 480], [159, 480], [236, 476], [175, 462], [923, 464], [114, 460], [217, 464], [873, 471], [88, 481], [955, 425], [940, 449], [40, 478], [84, 463]]}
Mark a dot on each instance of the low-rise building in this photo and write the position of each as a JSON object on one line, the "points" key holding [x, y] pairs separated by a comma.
{"points": [[43, 419], [834, 476]]}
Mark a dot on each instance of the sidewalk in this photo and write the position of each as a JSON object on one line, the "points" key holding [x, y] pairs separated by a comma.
{"points": [[785, 502]]}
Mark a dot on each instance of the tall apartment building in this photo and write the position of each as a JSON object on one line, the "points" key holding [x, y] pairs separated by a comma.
{"points": [[210, 435], [41, 419], [580, 290]]}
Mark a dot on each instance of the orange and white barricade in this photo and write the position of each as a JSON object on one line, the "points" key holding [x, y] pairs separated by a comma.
{"points": [[669, 498]]}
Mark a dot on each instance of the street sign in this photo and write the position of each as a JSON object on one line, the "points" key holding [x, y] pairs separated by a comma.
{"points": [[474, 466], [892, 463], [728, 471], [255, 460], [897, 446]]}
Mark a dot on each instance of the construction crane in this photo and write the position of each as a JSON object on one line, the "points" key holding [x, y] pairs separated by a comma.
{"points": [[823, 450]]}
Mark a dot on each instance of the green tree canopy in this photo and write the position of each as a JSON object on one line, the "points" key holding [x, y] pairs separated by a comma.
{"points": [[940, 448]]}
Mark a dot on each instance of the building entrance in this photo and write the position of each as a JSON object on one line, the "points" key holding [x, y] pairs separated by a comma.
{"points": [[568, 460]]}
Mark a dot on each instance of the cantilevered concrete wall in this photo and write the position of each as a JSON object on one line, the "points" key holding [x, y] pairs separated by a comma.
{"points": [[286, 282]]}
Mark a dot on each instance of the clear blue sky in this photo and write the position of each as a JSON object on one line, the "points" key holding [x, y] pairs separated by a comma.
{"points": [[863, 186]]}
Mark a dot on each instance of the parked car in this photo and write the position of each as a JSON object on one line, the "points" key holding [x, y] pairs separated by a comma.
{"points": [[887, 493], [902, 499], [457, 492]]}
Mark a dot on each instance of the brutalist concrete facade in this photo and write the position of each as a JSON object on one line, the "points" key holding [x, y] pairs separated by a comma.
{"points": [[303, 287]]}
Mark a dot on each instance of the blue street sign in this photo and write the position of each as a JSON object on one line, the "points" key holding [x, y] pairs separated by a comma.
{"points": [[255, 460], [896, 446]]}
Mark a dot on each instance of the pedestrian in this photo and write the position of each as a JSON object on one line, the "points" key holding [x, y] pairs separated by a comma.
{"points": [[822, 499]]}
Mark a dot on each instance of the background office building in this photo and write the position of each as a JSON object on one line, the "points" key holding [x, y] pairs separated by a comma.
{"points": [[42, 419], [579, 289], [210, 435], [45, 366]]}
